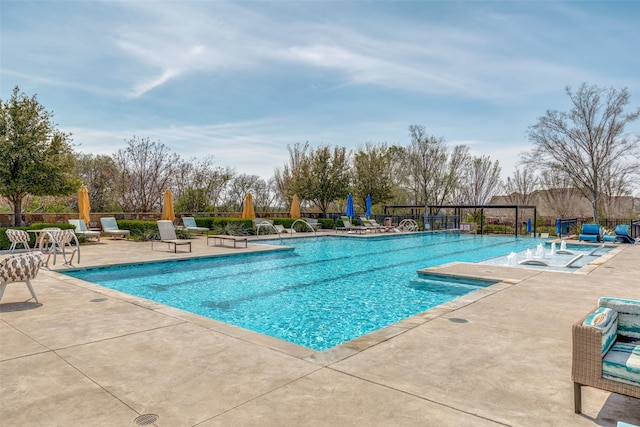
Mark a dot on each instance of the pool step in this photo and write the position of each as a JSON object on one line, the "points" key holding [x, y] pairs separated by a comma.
{"points": [[444, 285]]}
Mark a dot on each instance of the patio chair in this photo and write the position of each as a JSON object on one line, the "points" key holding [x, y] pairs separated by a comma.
{"points": [[606, 349], [62, 242], [168, 235], [190, 225], [110, 226], [82, 230], [590, 233], [18, 237], [350, 228], [20, 268], [621, 234]]}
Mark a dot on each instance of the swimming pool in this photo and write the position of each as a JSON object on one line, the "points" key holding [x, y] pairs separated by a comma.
{"points": [[321, 293]]}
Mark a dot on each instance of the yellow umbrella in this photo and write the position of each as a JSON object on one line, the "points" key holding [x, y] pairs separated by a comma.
{"points": [[83, 204], [247, 210], [167, 206], [295, 207]]}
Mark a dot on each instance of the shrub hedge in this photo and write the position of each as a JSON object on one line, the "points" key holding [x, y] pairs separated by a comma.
{"points": [[5, 244]]}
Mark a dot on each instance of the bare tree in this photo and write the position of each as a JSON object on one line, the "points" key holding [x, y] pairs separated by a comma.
{"points": [[240, 186], [432, 174], [201, 178], [588, 143], [559, 194], [145, 170], [480, 181], [520, 187]]}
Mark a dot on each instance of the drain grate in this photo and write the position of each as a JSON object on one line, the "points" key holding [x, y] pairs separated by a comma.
{"points": [[146, 419], [457, 320]]}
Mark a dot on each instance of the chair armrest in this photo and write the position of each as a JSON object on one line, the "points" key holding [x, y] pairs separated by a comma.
{"points": [[586, 364]]}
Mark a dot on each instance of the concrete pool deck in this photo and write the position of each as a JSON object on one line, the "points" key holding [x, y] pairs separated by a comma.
{"points": [[88, 355]]}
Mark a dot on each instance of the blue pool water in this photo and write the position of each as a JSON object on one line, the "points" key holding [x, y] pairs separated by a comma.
{"points": [[323, 292]]}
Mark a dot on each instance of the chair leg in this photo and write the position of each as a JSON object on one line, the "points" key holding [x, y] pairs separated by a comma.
{"points": [[577, 398], [33, 293], [12, 247], [3, 286]]}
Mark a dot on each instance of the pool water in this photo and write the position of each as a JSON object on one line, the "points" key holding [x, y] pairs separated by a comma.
{"points": [[323, 292]]}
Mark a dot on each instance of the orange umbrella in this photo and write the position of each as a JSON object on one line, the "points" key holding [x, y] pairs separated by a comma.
{"points": [[83, 204], [167, 206], [295, 207], [247, 210]]}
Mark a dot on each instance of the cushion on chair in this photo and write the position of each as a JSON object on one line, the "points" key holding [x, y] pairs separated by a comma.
{"points": [[606, 321], [622, 363], [628, 316]]}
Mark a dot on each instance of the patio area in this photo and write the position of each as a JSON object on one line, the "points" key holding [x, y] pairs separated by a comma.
{"points": [[88, 355]]}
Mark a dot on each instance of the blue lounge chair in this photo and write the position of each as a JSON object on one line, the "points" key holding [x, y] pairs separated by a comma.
{"points": [[621, 235], [590, 233]]}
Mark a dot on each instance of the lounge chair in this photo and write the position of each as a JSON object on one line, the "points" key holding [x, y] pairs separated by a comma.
{"points": [[190, 225], [82, 230], [605, 349], [313, 223], [350, 228], [367, 224], [280, 228], [168, 235], [380, 226], [110, 226], [266, 224], [18, 237], [540, 261], [590, 233], [621, 234], [20, 268]]}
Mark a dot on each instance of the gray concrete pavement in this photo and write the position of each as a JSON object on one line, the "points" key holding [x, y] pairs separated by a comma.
{"points": [[502, 356]]}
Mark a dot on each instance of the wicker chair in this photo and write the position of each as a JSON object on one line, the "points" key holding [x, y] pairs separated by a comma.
{"points": [[605, 349], [20, 268]]}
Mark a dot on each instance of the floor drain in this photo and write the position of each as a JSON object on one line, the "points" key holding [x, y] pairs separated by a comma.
{"points": [[97, 300], [458, 320], [146, 419]]}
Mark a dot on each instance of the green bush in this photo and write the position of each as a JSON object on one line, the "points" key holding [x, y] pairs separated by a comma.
{"points": [[231, 226], [5, 244]]}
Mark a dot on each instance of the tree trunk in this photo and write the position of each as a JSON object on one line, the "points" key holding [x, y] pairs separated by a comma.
{"points": [[17, 211]]}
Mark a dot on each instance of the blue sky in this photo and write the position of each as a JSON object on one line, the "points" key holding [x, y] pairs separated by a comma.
{"points": [[242, 80]]}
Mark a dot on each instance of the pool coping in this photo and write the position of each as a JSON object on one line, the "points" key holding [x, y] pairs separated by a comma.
{"points": [[503, 276]]}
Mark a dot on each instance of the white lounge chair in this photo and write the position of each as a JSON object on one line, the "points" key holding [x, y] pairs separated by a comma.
{"points": [[190, 225], [110, 226], [540, 261], [168, 235], [20, 268], [82, 230]]}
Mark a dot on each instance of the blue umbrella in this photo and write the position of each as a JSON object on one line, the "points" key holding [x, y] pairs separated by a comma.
{"points": [[350, 210], [368, 203], [558, 226], [529, 225]]}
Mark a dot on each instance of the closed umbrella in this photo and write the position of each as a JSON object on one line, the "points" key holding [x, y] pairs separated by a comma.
{"points": [[295, 207], [529, 225], [83, 204], [350, 212], [167, 206], [368, 205], [247, 211]]}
